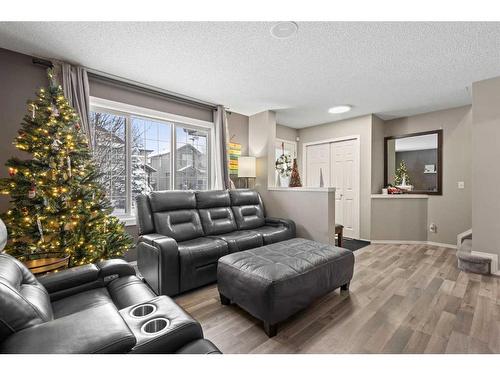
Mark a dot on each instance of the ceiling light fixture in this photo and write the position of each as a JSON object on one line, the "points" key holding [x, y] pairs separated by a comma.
{"points": [[340, 109], [284, 30]]}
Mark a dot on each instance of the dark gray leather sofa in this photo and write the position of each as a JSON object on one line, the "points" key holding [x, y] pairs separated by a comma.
{"points": [[184, 233], [87, 309]]}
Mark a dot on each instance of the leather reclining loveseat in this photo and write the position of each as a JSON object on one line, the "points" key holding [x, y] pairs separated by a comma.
{"points": [[95, 308], [184, 233]]}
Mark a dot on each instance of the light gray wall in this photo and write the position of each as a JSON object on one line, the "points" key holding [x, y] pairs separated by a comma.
{"points": [[485, 160], [286, 133], [361, 126], [238, 130], [19, 80], [378, 133], [313, 212], [123, 94], [452, 211], [399, 219]]}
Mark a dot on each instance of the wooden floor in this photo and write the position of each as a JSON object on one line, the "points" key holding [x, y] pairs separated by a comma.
{"points": [[403, 299]]}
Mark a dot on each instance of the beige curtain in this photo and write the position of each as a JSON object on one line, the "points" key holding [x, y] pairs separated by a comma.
{"points": [[75, 84], [221, 180]]}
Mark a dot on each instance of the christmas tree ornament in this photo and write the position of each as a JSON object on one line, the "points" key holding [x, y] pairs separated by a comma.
{"points": [[32, 192], [12, 171], [77, 126], [40, 229], [56, 144], [33, 110], [68, 162]]}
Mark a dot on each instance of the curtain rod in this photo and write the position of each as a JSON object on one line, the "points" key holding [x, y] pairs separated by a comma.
{"points": [[96, 74]]}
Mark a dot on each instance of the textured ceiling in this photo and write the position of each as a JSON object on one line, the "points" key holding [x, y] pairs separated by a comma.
{"points": [[390, 69]]}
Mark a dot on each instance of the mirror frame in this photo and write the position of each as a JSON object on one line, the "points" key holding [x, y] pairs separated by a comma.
{"points": [[439, 133]]}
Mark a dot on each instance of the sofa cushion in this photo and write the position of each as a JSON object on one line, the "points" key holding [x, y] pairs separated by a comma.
{"points": [[24, 302], [198, 261], [241, 240], [271, 234], [181, 225], [247, 208], [169, 200], [215, 211], [81, 301]]}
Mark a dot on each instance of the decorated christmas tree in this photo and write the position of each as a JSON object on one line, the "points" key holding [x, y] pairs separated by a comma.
{"points": [[57, 202], [401, 176], [295, 177]]}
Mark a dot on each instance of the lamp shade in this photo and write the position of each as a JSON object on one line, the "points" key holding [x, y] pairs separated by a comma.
{"points": [[246, 166]]}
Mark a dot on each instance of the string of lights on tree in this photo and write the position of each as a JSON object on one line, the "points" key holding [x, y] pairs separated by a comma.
{"points": [[57, 201]]}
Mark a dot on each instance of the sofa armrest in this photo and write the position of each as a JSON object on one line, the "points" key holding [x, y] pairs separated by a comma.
{"points": [[158, 263], [200, 346], [75, 280], [69, 278], [96, 330], [290, 224]]}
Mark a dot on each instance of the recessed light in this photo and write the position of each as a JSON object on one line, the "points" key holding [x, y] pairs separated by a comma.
{"points": [[340, 109], [284, 30]]}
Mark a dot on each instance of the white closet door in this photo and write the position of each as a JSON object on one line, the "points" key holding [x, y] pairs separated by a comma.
{"points": [[344, 177], [318, 165]]}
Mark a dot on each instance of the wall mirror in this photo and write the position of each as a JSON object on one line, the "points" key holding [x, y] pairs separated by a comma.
{"points": [[414, 162]]}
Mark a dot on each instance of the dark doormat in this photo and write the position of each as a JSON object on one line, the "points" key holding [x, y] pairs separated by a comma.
{"points": [[353, 245]]}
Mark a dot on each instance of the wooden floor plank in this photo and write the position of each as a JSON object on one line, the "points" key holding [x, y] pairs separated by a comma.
{"points": [[402, 299]]}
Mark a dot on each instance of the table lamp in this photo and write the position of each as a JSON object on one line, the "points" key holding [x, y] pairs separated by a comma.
{"points": [[246, 167]]}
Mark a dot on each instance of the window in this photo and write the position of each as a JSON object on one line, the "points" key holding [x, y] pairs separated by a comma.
{"points": [[137, 150]]}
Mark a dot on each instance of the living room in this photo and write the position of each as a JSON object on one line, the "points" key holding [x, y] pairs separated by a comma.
{"points": [[257, 187]]}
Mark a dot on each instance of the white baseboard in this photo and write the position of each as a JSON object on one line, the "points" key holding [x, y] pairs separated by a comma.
{"points": [[408, 242]]}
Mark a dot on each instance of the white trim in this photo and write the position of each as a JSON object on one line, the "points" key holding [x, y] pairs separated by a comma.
{"points": [[355, 137], [399, 196], [410, 242], [146, 112], [494, 261], [299, 189]]}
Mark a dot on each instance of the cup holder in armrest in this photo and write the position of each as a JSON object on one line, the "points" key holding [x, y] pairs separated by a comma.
{"points": [[143, 310], [155, 326]]}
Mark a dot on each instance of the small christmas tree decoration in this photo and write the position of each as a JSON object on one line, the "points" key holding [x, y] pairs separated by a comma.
{"points": [[401, 177], [295, 177], [66, 210]]}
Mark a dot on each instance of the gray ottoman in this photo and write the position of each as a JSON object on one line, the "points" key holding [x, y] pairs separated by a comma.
{"points": [[275, 281]]}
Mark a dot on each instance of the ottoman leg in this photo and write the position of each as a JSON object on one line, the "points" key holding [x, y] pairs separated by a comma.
{"points": [[224, 300], [345, 287], [270, 329]]}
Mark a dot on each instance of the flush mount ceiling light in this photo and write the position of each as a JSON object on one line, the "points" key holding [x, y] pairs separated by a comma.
{"points": [[284, 30], [340, 109]]}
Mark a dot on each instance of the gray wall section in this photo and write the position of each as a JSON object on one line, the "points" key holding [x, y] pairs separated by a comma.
{"points": [[486, 156], [399, 219], [20, 79], [378, 133], [286, 133], [238, 130], [361, 126], [123, 94], [452, 211], [416, 162]]}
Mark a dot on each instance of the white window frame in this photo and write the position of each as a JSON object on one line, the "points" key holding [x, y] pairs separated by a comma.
{"points": [[127, 110]]}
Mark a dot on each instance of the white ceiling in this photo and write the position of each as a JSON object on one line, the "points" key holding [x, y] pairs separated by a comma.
{"points": [[390, 69], [419, 142]]}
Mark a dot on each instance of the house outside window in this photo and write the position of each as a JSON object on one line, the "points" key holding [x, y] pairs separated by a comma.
{"points": [[137, 149]]}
